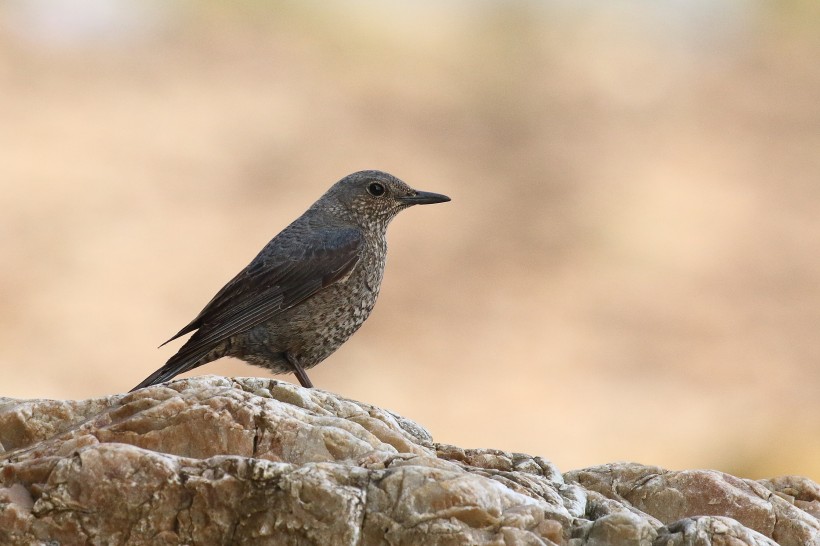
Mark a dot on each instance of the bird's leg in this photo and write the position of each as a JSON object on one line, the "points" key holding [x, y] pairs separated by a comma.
{"points": [[299, 372]]}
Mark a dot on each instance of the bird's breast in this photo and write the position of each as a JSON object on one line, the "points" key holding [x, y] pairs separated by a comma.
{"points": [[335, 313]]}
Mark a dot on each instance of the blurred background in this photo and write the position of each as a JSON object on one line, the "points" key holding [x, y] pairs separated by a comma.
{"points": [[629, 268]]}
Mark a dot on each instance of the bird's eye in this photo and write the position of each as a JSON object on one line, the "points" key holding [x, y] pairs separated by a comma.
{"points": [[375, 189]]}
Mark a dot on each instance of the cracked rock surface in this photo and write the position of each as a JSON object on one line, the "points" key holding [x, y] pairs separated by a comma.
{"points": [[211, 460]]}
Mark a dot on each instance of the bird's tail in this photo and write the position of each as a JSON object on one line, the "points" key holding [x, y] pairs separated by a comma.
{"points": [[185, 360]]}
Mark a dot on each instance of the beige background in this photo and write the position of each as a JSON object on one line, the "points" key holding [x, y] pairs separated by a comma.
{"points": [[629, 268]]}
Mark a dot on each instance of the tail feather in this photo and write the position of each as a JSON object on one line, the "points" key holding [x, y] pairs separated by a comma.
{"points": [[183, 361]]}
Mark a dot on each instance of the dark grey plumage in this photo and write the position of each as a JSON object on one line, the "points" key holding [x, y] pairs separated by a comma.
{"points": [[308, 290]]}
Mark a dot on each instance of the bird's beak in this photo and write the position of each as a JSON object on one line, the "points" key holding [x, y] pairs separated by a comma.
{"points": [[423, 198]]}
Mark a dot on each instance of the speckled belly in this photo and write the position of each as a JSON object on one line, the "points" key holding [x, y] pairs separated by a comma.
{"points": [[313, 330]]}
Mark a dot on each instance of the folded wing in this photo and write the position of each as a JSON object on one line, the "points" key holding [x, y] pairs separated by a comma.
{"points": [[287, 272]]}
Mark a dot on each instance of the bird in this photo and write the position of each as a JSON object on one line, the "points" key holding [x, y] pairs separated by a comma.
{"points": [[308, 290]]}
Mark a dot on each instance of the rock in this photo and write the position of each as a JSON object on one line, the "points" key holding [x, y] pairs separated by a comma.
{"points": [[675, 496], [211, 460]]}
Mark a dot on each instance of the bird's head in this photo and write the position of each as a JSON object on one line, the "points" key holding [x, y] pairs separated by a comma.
{"points": [[373, 198]]}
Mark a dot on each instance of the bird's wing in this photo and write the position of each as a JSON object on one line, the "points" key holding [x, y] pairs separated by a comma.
{"points": [[285, 273]]}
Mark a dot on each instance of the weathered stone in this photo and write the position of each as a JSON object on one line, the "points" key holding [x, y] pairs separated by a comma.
{"points": [[212, 460], [622, 528], [671, 496], [710, 531], [800, 491]]}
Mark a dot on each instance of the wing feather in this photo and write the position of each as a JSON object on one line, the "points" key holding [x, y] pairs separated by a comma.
{"points": [[270, 285], [288, 271]]}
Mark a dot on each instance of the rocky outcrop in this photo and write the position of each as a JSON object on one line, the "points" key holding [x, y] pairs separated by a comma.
{"points": [[212, 460]]}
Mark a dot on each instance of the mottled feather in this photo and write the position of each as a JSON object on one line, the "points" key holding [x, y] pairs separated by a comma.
{"points": [[309, 289], [269, 285]]}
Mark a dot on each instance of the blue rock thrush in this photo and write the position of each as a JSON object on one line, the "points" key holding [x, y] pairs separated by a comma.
{"points": [[308, 290]]}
